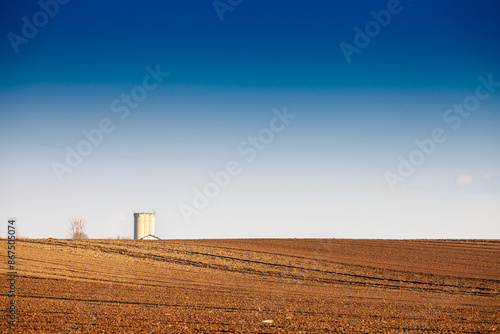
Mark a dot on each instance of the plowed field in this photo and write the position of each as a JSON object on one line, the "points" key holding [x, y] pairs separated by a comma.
{"points": [[254, 286]]}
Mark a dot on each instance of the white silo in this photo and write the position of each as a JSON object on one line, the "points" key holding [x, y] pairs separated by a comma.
{"points": [[151, 223], [144, 224]]}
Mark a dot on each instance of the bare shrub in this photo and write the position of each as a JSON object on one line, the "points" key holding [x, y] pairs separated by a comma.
{"points": [[77, 228]]}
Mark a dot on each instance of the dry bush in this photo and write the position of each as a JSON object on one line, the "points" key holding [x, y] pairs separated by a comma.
{"points": [[77, 228]]}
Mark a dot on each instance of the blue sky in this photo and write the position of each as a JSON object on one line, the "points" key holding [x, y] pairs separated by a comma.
{"points": [[323, 174]]}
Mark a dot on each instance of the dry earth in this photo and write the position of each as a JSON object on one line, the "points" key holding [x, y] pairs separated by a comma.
{"points": [[255, 286]]}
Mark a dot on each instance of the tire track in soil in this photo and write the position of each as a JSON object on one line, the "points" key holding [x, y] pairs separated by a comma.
{"points": [[300, 292], [363, 280]]}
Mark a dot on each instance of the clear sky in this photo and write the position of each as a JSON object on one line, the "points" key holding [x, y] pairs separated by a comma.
{"points": [[357, 119]]}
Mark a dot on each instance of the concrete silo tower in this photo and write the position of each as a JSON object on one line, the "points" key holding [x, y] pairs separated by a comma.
{"points": [[151, 229], [145, 218], [144, 225]]}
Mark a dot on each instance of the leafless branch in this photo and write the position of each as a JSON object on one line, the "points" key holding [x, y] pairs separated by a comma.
{"points": [[77, 228]]}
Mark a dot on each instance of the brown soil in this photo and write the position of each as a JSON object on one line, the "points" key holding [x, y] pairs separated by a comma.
{"points": [[255, 286]]}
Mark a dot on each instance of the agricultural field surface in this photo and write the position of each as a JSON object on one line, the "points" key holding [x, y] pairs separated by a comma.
{"points": [[254, 286]]}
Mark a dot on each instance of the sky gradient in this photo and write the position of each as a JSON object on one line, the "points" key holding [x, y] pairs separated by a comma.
{"points": [[322, 174]]}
